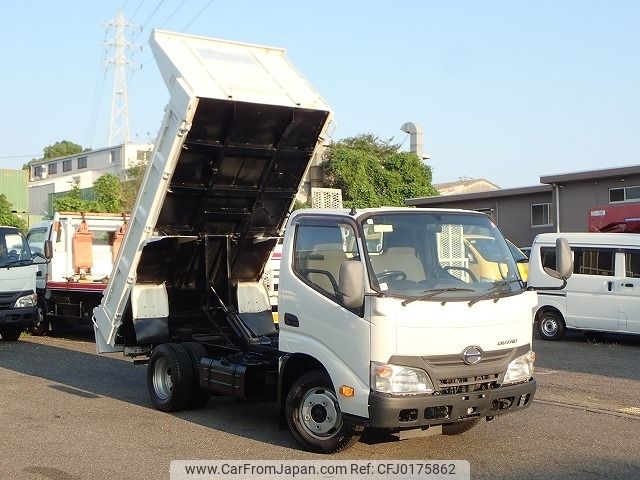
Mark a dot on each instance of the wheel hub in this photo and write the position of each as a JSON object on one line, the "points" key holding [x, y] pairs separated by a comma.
{"points": [[162, 380], [549, 326], [319, 413]]}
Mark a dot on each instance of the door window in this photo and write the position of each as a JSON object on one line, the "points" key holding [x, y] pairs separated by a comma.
{"points": [[632, 264], [593, 261], [320, 251]]}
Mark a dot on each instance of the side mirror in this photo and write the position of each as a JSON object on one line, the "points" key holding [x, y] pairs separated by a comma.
{"points": [[564, 262], [351, 283], [48, 249]]}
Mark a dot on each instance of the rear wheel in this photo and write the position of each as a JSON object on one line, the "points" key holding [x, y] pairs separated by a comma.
{"points": [[199, 397], [170, 377], [10, 334], [550, 325], [314, 417], [459, 427]]}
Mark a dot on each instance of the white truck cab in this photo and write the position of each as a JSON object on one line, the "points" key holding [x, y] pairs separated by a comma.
{"points": [[18, 298]]}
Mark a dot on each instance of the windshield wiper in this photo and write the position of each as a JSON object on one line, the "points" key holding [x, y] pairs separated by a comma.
{"points": [[16, 263], [492, 291], [432, 292]]}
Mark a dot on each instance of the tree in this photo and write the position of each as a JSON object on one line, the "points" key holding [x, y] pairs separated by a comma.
{"points": [[7, 217], [71, 202], [372, 172], [61, 149], [131, 186], [108, 191]]}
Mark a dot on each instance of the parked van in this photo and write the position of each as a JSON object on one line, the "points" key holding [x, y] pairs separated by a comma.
{"points": [[602, 295]]}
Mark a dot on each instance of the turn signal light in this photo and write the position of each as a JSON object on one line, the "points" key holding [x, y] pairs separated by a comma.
{"points": [[347, 391]]}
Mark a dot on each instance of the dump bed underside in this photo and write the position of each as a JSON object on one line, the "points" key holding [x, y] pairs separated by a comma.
{"points": [[238, 173]]}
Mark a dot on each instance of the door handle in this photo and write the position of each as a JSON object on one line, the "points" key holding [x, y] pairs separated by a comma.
{"points": [[628, 285], [291, 320], [609, 286]]}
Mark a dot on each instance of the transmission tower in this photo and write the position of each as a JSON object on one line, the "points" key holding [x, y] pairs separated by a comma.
{"points": [[119, 122]]}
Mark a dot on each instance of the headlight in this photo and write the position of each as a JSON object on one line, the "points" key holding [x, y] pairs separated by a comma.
{"points": [[27, 301], [399, 380], [520, 369]]}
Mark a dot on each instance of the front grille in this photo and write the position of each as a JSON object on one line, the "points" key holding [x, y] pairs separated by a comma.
{"points": [[449, 386], [457, 360]]}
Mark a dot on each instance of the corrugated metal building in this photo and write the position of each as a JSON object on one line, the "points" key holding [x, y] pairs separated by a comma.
{"points": [[13, 184]]}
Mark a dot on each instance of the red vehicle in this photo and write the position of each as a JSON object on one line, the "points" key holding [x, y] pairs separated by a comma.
{"points": [[615, 218]]}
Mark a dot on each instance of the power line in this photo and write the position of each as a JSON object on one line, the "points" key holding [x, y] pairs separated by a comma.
{"points": [[173, 13], [144, 24], [198, 15], [136, 10]]}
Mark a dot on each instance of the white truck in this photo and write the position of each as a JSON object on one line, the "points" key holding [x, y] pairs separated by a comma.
{"points": [[18, 298], [70, 286], [399, 334]]}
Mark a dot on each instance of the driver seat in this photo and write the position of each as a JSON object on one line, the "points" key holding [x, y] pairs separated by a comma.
{"points": [[399, 254]]}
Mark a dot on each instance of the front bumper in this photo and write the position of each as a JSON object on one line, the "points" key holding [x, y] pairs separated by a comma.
{"points": [[19, 317], [386, 411]]}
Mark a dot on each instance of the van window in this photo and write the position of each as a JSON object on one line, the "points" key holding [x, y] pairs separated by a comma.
{"points": [[548, 257], [632, 264], [593, 261]]}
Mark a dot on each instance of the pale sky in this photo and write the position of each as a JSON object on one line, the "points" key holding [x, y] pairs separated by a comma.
{"points": [[504, 90]]}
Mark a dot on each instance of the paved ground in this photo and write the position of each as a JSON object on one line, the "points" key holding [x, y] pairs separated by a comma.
{"points": [[66, 414]]}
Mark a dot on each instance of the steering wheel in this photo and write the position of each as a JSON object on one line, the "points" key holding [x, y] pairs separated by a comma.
{"points": [[13, 255], [462, 269], [391, 275]]}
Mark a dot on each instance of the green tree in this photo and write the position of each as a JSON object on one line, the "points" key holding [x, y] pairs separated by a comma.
{"points": [[7, 217], [71, 202], [61, 149], [108, 191], [372, 172], [131, 186]]}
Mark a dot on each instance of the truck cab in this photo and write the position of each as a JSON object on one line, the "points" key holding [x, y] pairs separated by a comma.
{"points": [[18, 298]]}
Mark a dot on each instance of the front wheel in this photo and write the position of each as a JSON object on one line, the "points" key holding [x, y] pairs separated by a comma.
{"points": [[314, 417], [550, 325], [10, 334], [42, 325]]}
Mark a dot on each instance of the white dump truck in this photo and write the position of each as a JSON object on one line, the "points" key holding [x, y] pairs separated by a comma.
{"points": [[382, 321], [70, 285]]}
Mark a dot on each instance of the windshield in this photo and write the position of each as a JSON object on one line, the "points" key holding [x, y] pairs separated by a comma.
{"points": [[14, 249], [438, 256]]}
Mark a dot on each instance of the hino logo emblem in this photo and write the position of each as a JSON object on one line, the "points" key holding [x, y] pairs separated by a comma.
{"points": [[472, 355]]}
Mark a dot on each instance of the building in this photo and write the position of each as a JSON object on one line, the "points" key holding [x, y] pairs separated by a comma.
{"points": [[465, 185], [56, 175], [559, 204], [13, 184]]}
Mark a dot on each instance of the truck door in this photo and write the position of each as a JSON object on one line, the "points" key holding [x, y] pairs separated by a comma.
{"points": [[629, 290], [592, 298], [312, 319]]}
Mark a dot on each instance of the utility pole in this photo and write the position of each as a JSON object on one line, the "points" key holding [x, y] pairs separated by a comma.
{"points": [[119, 122]]}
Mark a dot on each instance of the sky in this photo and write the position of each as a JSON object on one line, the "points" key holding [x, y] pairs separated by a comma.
{"points": [[504, 90]]}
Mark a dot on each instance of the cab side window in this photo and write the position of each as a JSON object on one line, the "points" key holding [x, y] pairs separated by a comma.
{"points": [[319, 252]]}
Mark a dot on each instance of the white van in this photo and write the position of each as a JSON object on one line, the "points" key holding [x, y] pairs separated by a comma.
{"points": [[602, 295]]}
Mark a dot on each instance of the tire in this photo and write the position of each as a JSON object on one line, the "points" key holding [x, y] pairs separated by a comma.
{"points": [[10, 334], [170, 377], [314, 418], [550, 325], [42, 326], [459, 427], [199, 397]]}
